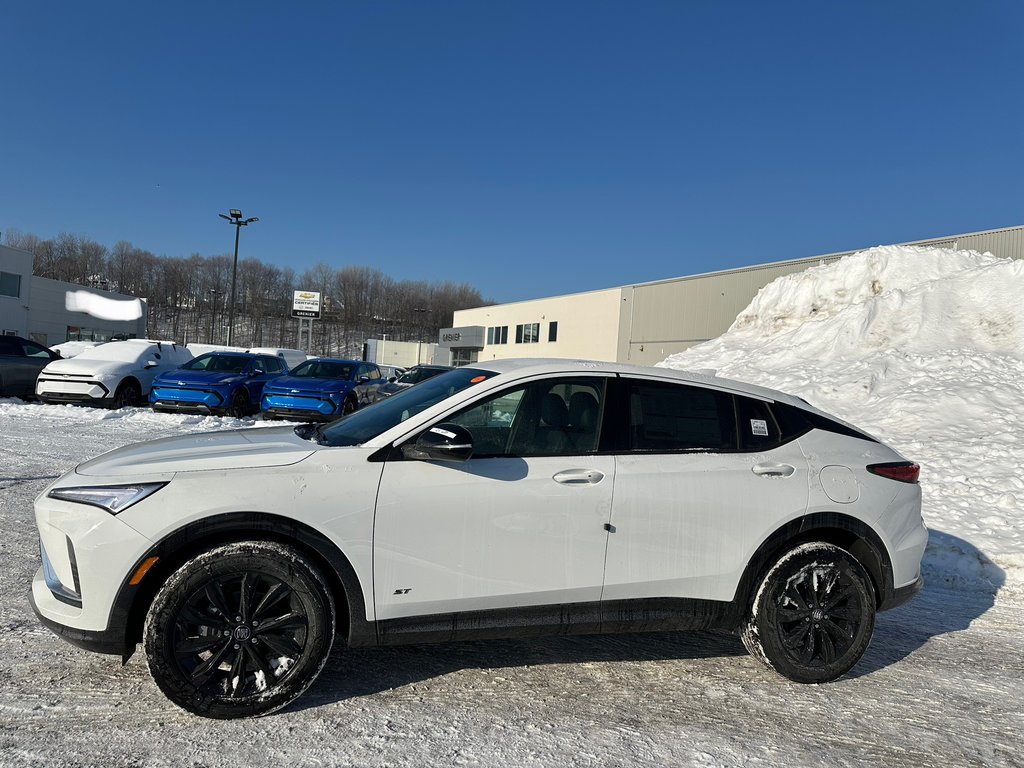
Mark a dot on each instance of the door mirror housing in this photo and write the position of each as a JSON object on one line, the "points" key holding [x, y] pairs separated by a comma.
{"points": [[441, 442], [151, 364]]}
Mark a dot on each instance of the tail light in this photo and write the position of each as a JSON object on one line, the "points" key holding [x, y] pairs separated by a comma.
{"points": [[904, 471]]}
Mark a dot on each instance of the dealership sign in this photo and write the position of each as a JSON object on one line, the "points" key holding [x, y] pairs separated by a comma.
{"points": [[306, 304]]}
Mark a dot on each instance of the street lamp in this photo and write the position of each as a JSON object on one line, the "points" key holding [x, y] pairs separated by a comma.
{"points": [[236, 219]]}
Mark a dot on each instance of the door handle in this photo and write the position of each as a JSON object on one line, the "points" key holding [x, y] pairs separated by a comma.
{"points": [[773, 470], [578, 477]]}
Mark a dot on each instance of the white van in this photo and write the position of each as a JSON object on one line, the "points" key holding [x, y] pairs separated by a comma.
{"points": [[291, 356], [116, 374]]}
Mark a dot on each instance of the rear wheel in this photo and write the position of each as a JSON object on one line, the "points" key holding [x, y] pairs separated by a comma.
{"points": [[813, 614], [239, 631], [128, 395]]}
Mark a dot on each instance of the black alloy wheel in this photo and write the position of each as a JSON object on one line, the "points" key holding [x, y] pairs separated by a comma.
{"points": [[813, 615], [349, 406], [240, 631], [128, 395], [239, 406]]}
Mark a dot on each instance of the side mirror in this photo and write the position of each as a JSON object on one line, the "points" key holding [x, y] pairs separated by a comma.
{"points": [[442, 442], [392, 379], [257, 372], [151, 364], [363, 379]]}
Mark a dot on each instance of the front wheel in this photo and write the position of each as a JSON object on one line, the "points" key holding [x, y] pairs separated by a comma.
{"points": [[128, 395], [813, 614], [239, 631], [349, 406], [239, 406]]}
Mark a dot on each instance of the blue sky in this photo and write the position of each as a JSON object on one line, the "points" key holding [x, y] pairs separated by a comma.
{"points": [[528, 148]]}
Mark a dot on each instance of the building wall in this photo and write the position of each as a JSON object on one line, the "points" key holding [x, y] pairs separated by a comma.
{"points": [[404, 354], [647, 322], [588, 326], [40, 313], [14, 309]]}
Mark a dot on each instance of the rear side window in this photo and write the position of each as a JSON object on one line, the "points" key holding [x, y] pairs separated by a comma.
{"points": [[757, 427], [674, 417]]}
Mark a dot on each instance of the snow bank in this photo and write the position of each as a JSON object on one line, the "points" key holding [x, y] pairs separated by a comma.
{"points": [[923, 347]]}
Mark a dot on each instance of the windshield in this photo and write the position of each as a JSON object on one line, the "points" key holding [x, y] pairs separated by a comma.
{"points": [[358, 427], [220, 363], [416, 375], [324, 369]]}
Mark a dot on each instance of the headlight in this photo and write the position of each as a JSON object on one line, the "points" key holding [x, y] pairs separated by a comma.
{"points": [[113, 498]]}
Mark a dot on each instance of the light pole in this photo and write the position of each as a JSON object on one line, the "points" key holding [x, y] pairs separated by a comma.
{"points": [[236, 219]]}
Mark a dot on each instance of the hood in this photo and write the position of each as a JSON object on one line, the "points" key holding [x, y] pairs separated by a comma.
{"points": [[307, 384], [180, 377], [236, 449], [86, 367]]}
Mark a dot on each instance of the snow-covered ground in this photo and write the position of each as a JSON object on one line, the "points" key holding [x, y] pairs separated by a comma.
{"points": [[923, 348]]}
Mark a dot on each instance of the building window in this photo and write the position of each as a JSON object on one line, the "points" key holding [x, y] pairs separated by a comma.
{"points": [[553, 331], [528, 333], [10, 284], [497, 334]]}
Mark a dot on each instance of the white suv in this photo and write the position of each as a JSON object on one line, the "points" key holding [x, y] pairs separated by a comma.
{"points": [[517, 498], [115, 374]]}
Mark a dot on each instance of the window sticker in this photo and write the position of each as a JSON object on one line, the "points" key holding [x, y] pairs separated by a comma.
{"points": [[759, 427], [452, 435]]}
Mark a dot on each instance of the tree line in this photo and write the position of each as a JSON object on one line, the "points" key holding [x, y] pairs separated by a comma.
{"points": [[188, 296]]}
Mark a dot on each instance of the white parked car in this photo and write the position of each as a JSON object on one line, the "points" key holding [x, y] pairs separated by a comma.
{"points": [[116, 374], [513, 498]]}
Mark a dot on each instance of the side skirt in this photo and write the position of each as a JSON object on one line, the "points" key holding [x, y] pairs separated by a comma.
{"points": [[646, 615]]}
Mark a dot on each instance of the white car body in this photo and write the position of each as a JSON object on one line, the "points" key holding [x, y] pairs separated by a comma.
{"points": [[426, 549], [96, 375]]}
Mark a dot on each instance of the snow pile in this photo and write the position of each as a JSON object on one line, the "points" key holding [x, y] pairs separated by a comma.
{"points": [[923, 347]]}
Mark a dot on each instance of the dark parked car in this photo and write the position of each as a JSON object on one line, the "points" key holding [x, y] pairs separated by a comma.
{"points": [[322, 390], [228, 383], [21, 361], [414, 375]]}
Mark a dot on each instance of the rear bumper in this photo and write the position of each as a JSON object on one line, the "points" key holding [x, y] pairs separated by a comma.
{"points": [[902, 595]]}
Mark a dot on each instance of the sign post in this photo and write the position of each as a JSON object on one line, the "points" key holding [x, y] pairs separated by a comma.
{"points": [[306, 309]]}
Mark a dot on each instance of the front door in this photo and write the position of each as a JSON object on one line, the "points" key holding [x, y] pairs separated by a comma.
{"points": [[521, 523]]}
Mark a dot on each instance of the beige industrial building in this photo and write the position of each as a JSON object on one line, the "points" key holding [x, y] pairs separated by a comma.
{"points": [[647, 322]]}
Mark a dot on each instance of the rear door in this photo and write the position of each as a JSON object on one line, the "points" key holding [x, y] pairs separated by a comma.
{"points": [[701, 477]]}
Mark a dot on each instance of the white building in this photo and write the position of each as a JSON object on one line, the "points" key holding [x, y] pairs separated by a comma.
{"points": [[35, 307], [646, 322]]}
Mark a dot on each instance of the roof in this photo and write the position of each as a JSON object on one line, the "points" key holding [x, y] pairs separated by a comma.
{"points": [[542, 366]]}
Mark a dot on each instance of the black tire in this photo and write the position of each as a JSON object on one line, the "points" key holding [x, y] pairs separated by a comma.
{"points": [[239, 406], [349, 406], [128, 395], [813, 614], [233, 618]]}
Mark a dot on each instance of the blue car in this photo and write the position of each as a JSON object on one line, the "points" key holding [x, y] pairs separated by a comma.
{"points": [[322, 390], [228, 383]]}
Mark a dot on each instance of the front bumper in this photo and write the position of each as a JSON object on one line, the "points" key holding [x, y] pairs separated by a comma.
{"points": [[81, 593], [73, 389], [187, 400], [305, 407]]}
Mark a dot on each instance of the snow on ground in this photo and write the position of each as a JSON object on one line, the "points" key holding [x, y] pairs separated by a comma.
{"points": [[921, 347]]}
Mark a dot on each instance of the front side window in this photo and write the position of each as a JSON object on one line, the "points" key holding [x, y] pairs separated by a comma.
{"points": [[552, 417], [673, 417], [758, 430]]}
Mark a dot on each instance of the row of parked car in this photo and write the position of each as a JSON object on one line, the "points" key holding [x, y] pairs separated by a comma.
{"points": [[279, 383]]}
